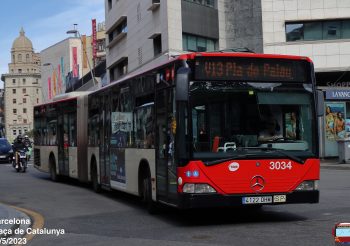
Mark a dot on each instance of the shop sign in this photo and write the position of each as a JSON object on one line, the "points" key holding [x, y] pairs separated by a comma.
{"points": [[338, 94]]}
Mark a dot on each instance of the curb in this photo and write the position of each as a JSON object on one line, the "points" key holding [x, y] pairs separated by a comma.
{"points": [[13, 212], [37, 220], [10, 213], [336, 167]]}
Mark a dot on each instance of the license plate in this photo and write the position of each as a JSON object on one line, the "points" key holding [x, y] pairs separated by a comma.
{"points": [[22, 155], [256, 199], [279, 198], [2, 156]]}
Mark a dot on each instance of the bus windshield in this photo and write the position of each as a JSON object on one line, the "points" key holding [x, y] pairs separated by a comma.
{"points": [[233, 118]]}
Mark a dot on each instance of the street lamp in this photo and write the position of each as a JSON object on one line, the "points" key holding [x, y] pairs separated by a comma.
{"points": [[75, 32]]}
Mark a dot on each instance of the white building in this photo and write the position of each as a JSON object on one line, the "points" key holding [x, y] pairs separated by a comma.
{"points": [[66, 65], [22, 87], [61, 67]]}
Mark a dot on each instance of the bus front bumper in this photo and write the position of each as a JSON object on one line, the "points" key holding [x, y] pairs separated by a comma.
{"points": [[187, 201]]}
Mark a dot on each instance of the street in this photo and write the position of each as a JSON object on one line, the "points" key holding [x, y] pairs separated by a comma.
{"points": [[113, 218]]}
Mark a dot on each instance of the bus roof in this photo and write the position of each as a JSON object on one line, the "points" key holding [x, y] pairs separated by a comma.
{"points": [[193, 55], [65, 97]]}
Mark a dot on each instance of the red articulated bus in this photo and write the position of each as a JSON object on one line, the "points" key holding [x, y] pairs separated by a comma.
{"points": [[207, 129]]}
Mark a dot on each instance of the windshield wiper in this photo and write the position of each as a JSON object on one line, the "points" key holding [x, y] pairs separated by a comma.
{"points": [[283, 152], [209, 163], [240, 156]]}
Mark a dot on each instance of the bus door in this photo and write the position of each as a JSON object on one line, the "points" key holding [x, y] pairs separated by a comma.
{"points": [[104, 140], [63, 144], [165, 142]]}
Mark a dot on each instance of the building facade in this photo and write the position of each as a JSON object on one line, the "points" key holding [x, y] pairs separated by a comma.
{"points": [[2, 116], [22, 85], [66, 65], [143, 33], [61, 67]]}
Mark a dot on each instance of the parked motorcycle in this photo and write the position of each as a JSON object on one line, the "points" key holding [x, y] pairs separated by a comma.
{"points": [[21, 159]]}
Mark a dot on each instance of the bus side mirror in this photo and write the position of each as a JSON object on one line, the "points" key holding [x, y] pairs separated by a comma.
{"points": [[320, 103], [182, 83]]}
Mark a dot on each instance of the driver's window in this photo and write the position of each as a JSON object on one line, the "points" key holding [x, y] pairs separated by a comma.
{"points": [[200, 129]]}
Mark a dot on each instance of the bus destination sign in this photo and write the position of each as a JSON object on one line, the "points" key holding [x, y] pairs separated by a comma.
{"points": [[250, 69]]}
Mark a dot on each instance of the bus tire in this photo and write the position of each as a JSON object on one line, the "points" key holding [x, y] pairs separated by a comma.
{"points": [[147, 195], [53, 172], [94, 179]]}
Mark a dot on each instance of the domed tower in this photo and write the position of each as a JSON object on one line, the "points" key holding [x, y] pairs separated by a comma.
{"points": [[22, 86], [23, 58]]}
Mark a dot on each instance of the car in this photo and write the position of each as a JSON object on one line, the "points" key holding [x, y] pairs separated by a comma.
{"points": [[6, 151]]}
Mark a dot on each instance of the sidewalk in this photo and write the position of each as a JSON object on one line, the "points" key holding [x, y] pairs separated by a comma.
{"points": [[10, 220], [333, 163]]}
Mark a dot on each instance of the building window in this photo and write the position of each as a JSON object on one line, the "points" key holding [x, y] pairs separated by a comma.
{"points": [[317, 30], [15, 122], [208, 3], [13, 91], [24, 100], [24, 110], [20, 131], [20, 57], [101, 45], [14, 111], [24, 90], [197, 43], [13, 81], [119, 70], [25, 122], [14, 101], [13, 58], [19, 70], [120, 29], [14, 132], [27, 57], [157, 45], [25, 128], [109, 4], [37, 100], [24, 81]]}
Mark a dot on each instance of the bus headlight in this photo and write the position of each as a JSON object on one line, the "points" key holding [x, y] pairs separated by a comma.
{"points": [[198, 188], [308, 185]]}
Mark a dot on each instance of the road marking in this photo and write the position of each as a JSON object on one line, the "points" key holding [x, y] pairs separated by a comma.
{"points": [[37, 220]]}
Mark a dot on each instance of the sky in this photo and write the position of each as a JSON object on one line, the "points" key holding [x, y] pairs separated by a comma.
{"points": [[45, 22]]}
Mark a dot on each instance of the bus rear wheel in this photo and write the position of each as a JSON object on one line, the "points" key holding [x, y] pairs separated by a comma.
{"points": [[147, 195], [53, 173], [94, 179]]}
